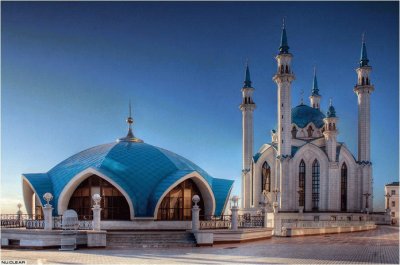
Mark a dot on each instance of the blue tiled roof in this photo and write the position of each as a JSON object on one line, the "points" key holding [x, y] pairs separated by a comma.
{"points": [[144, 171], [303, 115], [41, 183]]}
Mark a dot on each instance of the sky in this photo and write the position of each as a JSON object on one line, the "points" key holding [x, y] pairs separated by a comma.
{"points": [[69, 69]]}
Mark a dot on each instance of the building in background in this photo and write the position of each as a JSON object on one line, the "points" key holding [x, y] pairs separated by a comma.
{"points": [[392, 201], [305, 167]]}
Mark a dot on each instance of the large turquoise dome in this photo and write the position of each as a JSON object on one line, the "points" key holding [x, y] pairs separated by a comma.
{"points": [[143, 170], [303, 115]]}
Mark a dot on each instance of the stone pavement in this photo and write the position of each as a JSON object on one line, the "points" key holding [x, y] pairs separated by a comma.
{"points": [[376, 246]]}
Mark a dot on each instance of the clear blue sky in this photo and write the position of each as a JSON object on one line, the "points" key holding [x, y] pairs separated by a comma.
{"points": [[69, 70]]}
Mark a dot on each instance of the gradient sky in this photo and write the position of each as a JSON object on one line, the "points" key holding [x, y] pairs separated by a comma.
{"points": [[69, 70]]}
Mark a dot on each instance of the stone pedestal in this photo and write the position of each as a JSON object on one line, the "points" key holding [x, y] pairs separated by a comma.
{"points": [[195, 218], [96, 239], [96, 217], [48, 217], [234, 220]]}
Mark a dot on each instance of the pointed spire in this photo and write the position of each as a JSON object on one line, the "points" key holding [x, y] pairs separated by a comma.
{"points": [[315, 90], [130, 137], [284, 48], [129, 120], [364, 58], [331, 113], [301, 97], [247, 81]]}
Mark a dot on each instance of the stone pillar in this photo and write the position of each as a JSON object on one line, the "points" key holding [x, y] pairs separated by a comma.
{"points": [[96, 217], [265, 215], [96, 212], [234, 220], [48, 217], [195, 214]]}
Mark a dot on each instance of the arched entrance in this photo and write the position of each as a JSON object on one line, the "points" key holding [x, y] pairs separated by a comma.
{"points": [[113, 203], [177, 203]]}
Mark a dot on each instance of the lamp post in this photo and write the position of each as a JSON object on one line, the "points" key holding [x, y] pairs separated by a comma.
{"points": [[367, 195], [275, 204]]}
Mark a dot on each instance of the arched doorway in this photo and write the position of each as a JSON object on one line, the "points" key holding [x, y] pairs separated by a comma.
{"points": [[113, 203], [177, 204]]}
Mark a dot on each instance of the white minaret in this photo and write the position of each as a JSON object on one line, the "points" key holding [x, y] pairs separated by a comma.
{"points": [[283, 79], [247, 107], [315, 97], [363, 90]]}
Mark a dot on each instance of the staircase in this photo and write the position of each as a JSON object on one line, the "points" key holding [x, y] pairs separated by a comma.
{"points": [[150, 239]]}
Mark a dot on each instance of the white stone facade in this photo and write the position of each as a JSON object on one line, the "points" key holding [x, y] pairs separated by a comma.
{"points": [[305, 166], [392, 191]]}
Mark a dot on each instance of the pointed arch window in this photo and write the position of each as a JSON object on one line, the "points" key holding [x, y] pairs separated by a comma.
{"points": [[310, 131], [343, 188], [315, 185], [266, 177], [302, 183], [294, 132]]}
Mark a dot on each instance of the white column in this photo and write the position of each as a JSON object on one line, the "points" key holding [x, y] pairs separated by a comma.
{"points": [[96, 217], [234, 220], [48, 217], [195, 214]]}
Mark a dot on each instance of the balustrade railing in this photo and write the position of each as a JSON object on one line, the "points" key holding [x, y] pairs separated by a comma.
{"points": [[32, 221], [17, 220], [215, 222], [321, 224], [250, 221]]}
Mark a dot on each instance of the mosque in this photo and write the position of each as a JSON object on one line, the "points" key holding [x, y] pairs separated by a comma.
{"points": [[305, 167], [137, 182]]}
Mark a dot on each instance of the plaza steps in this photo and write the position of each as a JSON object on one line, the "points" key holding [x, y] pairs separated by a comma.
{"points": [[150, 239]]}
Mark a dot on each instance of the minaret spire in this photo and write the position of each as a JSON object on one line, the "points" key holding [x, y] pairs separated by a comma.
{"points": [[247, 80], [130, 137], [315, 97], [284, 48], [363, 58]]}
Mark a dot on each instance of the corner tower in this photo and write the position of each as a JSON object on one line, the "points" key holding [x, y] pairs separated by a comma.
{"points": [[283, 78], [247, 107]]}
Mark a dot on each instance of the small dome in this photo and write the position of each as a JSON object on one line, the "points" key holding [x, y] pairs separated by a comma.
{"points": [[303, 115], [331, 113]]}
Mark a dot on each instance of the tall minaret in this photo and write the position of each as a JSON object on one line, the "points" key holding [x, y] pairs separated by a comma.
{"points": [[363, 90], [247, 107], [315, 97], [283, 79]]}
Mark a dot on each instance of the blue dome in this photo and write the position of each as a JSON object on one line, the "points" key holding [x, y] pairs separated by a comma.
{"points": [[303, 115], [143, 170]]}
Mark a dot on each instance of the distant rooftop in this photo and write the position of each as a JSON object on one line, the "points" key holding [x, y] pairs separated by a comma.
{"points": [[395, 183]]}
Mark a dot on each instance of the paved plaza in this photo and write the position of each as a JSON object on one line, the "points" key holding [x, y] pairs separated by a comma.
{"points": [[376, 246]]}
